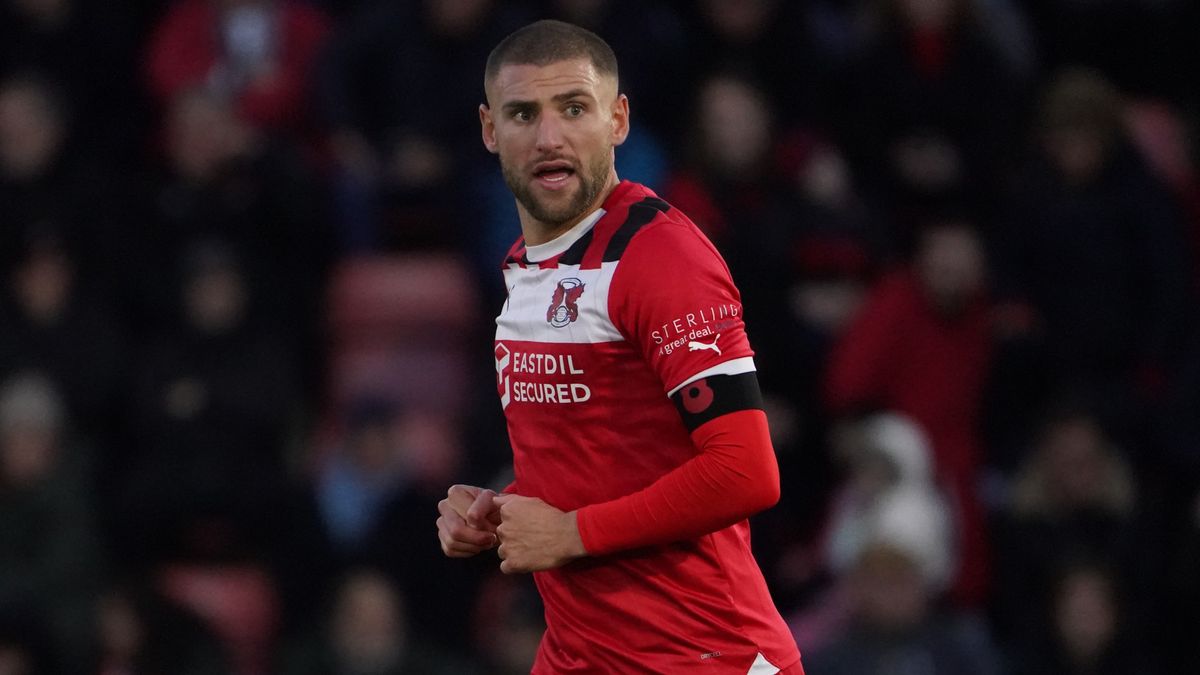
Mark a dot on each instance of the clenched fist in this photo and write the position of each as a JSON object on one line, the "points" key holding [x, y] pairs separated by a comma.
{"points": [[535, 536], [467, 522]]}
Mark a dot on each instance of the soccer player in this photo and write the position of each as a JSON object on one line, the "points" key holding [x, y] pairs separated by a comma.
{"points": [[640, 445]]}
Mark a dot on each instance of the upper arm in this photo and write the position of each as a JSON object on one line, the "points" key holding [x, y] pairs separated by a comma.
{"points": [[673, 298]]}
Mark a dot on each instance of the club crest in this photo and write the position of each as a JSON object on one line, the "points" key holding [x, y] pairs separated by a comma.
{"points": [[564, 306]]}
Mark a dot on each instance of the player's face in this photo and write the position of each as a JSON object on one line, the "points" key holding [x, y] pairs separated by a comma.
{"points": [[554, 128]]}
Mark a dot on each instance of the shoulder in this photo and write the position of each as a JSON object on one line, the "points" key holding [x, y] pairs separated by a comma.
{"points": [[648, 226]]}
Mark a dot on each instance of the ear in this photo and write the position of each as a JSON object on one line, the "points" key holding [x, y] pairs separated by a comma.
{"points": [[620, 119], [488, 127]]}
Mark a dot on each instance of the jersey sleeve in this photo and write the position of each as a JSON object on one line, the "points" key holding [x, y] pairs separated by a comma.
{"points": [[734, 476], [672, 297]]}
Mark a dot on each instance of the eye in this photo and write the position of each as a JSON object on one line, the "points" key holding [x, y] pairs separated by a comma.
{"points": [[522, 115], [574, 110]]}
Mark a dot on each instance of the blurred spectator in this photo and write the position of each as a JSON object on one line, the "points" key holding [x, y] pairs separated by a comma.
{"points": [[428, 455], [256, 53], [1088, 633], [890, 466], [366, 633], [731, 161], [508, 624], [765, 37], [236, 600], [1095, 247], [931, 108], [209, 414], [895, 628], [1074, 499], [920, 346], [35, 127], [888, 493], [140, 632], [362, 474], [49, 553], [828, 244], [401, 167], [49, 322], [47, 182], [88, 48], [222, 179]]}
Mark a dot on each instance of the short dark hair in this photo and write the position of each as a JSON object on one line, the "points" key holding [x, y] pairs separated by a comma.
{"points": [[549, 41]]}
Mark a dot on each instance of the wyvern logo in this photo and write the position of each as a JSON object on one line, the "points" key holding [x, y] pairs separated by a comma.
{"points": [[564, 305], [695, 346]]}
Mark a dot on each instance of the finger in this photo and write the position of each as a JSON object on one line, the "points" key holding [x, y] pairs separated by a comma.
{"points": [[457, 549], [480, 513], [448, 507], [510, 567], [460, 497], [459, 531], [451, 548], [461, 490]]}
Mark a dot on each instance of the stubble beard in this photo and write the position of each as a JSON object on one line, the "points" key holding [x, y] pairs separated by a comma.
{"points": [[591, 182]]}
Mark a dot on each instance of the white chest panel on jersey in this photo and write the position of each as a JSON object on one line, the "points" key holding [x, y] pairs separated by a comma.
{"points": [[563, 304]]}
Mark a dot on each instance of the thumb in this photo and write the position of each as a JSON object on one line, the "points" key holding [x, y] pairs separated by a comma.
{"points": [[502, 499]]}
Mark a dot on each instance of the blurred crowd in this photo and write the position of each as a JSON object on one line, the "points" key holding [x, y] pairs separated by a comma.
{"points": [[249, 256]]}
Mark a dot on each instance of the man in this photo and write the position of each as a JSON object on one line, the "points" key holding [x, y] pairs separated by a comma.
{"points": [[639, 440]]}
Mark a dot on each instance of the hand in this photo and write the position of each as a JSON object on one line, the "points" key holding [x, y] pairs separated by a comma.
{"points": [[535, 536], [468, 520]]}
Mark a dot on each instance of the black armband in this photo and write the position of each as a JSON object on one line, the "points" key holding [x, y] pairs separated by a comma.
{"points": [[710, 397]]}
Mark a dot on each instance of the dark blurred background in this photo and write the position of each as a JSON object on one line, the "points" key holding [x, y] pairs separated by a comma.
{"points": [[250, 256]]}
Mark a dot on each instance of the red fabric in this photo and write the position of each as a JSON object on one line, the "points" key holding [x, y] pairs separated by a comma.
{"points": [[899, 354], [734, 476], [590, 422], [184, 51], [672, 288]]}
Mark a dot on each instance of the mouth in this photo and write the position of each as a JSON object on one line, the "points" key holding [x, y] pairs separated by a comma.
{"points": [[553, 175]]}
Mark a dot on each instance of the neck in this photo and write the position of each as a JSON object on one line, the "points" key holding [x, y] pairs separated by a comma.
{"points": [[538, 232]]}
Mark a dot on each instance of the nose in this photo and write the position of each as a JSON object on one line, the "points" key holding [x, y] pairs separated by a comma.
{"points": [[549, 133]]}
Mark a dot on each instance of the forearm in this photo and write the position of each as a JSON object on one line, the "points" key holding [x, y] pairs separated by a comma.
{"points": [[734, 476]]}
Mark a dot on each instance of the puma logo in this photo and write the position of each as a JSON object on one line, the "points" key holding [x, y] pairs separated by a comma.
{"points": [[695, 346]]}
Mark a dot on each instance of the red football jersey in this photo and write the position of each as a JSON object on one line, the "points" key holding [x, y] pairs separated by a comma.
{"points": [[601, 326]]}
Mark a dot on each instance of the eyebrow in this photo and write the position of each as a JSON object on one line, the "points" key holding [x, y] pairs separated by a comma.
{"points": [[512, 106], [574, 93]]}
